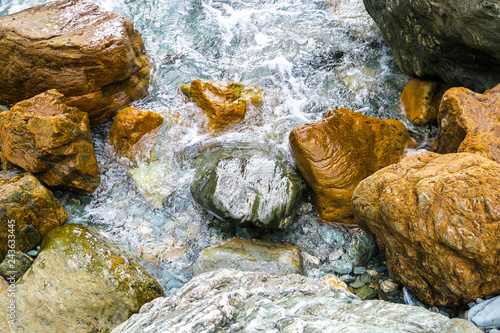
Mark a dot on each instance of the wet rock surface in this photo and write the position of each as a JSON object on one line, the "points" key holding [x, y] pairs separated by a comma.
{"points": [[229, 300], [96, 59], [336, 153], [435, 217], [32, 208], [80, 282], [48, 138], [449, 39]]}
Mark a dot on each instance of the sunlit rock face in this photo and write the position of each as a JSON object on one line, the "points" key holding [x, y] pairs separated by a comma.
{"points": [[437, 218], [96, 59]]}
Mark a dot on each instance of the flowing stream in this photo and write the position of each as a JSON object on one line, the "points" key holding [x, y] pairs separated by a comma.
{"points": [[307, 56]]}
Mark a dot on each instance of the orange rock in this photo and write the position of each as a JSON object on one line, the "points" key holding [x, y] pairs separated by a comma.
{"points": [[32, 209], [334, 154], [51, 140], [420, 100], [469, 122], [437, 218], [95, 58], [129, 127], [3, 285], [224, 103]]}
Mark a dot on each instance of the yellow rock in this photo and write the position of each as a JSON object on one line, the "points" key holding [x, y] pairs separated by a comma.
{"points": [[334, 281], [420, 100]]}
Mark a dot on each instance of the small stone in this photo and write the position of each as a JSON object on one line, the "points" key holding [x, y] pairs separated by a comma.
{"points": [[348, 278], [373, 273], [366, 278], [366, 293], [383, 296], [309, 260], [382, 269], [342, 266], [357, 284], [32, 253], [388, 286], [334, 281], [479, 300], [359, 270]]}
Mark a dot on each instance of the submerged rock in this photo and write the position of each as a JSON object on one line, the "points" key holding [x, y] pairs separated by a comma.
{"points": [[229, 300], [33, 210], [51, 140], [451, 39], [336, 153], [80, 282], [95, 58], [224, 103], [246, 255], [248, 185], [436, 218], [469, 123], [421, 99]]}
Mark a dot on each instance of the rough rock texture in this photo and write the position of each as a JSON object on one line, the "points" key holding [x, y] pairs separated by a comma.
{"points": [[464, 326], [3, 285], [79, 282], [486, 315], [456, 40], [469, 122], [246, 255], [437, 219], [51, 140], [224, 103], [129, 127], [230, 301], [34, 209], [15, 266], [95, 58], [336, 153], [248, 185], [420, 100]]}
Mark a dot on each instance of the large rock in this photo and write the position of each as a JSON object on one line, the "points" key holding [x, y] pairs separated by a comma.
{"points": [[336, 153], [230, 301], [469, 122], [51, 140], [246, 255], [32, 208], [79, 282], [95, 58], [224, 103], [437, 219], [455, 40], [486, 315], [248, 185], [421, 99]]}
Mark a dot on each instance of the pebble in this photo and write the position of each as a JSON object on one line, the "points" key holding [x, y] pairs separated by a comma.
{"points": [[359, 270], [388, 286], [366, 278], [366, 293], [382, 269], [357, 284], [348, 278], [373, 273], [33, 253]]}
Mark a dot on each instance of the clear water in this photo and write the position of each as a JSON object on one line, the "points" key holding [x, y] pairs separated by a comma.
{"points": [[307, 56]]}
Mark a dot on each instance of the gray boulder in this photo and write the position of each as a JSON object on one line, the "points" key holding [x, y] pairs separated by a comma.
{"points": [[486, 315], [455, 40]]}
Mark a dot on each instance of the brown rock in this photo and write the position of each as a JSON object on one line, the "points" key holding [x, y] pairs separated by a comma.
{"points": [[224, 103], [3, 285], [469, 122], [95, 58], [420, 100], [30, 207], [336, 153], [51, 140], [130, 126], [437, 219]]}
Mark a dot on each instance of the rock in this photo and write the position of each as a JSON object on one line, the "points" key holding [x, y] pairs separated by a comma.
{"points": [[3, 285], [229, 300], [359, 270], [388, 286], [32, 208], [420, 100], [80, 282], [96, 59], [15, 266], [357, 284], [447, 39], [486, 315], [464, 326], [469, 123], [436, 218], [151, 180], [129, 127], [248, 185], [336, 153], [51, 140], [246, 255], [366, 293], [224, 103], [334, 281]]}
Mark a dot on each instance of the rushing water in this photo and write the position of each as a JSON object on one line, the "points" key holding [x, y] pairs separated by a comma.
{"points": [[307, 56]]}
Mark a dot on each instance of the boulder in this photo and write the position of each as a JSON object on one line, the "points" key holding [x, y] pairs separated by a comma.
{"points": [[455, 40], [334, 154], [246, 255], [420, 100], [32, 208], [79, 282], [248, 185], [486, 315], [96, 59], [224, 103], [436, 218], [230, 301], [469, 123], [129, 127], [51, 140]]}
